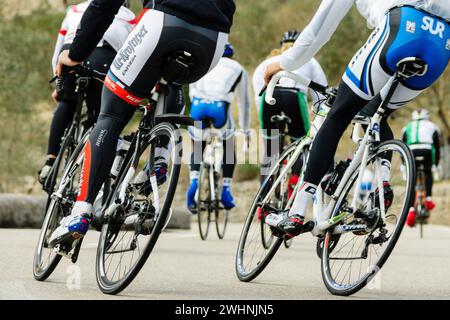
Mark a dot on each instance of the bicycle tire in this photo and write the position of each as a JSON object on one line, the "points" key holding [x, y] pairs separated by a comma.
{"points": [[241, 272], [330, 283], [204, 205]]}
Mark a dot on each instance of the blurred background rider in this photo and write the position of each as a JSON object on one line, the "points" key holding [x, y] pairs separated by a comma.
{"points": [[423, 138], [211, 98]]}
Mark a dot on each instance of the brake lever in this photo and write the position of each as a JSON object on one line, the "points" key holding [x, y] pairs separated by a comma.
{"points": [[53, 79]]}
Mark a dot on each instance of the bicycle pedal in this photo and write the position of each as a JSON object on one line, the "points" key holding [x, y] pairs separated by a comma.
{"points": [[61, 250]]}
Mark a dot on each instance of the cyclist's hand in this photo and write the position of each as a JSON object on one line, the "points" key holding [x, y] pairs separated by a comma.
{"points": [[271, 70], [55, 96], [64, 60]]}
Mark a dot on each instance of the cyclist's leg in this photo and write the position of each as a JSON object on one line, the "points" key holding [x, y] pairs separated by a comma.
{"points": [[135, 71], [228, 166], [62, 118], [197, 133], [198, 148], [295, 106]]}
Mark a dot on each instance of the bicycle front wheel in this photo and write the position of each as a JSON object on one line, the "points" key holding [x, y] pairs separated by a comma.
{"points": [[59, 206], [257, 246], [355, 250], [133, 226]]}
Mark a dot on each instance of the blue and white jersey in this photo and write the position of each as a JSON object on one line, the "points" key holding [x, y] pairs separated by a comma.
{"points": [[212, 96], [330, 14]]}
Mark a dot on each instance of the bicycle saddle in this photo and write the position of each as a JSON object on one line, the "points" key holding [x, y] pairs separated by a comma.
{"points": [[177, 67], [280, 118], [364, 120], [412, 66]]}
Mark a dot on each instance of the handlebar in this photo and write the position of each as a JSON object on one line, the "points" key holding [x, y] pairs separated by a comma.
{"points": [[81, 71], [297, 78]]}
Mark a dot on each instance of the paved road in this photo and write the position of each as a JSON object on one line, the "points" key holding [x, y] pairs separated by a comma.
{"points": [[184, 267]]}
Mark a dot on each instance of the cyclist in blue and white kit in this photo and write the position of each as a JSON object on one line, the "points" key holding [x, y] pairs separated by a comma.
{"points": [[404, 28], [211, 98]]}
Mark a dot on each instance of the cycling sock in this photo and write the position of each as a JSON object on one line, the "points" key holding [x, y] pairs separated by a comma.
{"points": [[303, 199], [226, 182], [385, 170], [194, 175], [81, 207]]}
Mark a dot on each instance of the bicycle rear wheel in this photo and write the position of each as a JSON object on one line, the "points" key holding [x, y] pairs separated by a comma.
{"points": [[132, 228], [257, 246], [204, 201], [221, 214], [357, 248]]}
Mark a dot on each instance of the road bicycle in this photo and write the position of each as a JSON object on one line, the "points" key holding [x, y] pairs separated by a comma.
{"points": [[207, 197], [133, 215], [356, 229]]}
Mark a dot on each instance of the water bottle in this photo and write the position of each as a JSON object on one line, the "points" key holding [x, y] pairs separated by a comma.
{"points": [[122, 148]]}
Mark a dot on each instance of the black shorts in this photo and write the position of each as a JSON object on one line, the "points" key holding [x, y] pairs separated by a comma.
{"points": [[139, 63], [293, 104]]}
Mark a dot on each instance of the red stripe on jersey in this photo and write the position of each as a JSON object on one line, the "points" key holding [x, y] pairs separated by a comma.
{"points": [[122, 93], [63, 32]]}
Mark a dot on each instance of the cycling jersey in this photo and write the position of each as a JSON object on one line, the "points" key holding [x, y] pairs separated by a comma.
{"points": [[213, 94], [423, 134], [331, 13], [214, 15], [115, 36], [311, 70]]}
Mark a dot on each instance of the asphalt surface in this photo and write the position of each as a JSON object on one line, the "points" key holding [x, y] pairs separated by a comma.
{"points": [[185, 267]]}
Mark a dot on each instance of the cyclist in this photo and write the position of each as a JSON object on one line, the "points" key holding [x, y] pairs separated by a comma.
{"points": [[100, 59], [199, 27], [211, 97], [404, 28], [291, 101], [422, 136]]}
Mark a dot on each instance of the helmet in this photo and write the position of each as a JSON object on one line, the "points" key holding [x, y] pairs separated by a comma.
{"points": [[289, 36], [421, 114], [229, 51]]}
